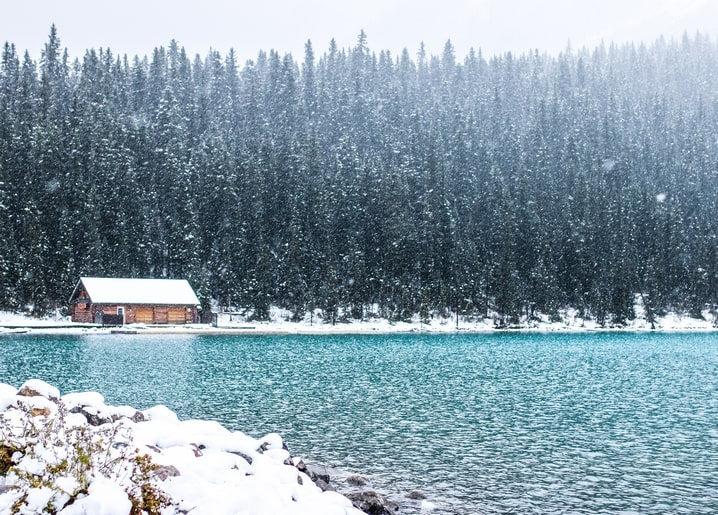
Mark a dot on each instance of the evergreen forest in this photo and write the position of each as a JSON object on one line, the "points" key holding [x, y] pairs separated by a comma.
{"points": [[364, 183]]}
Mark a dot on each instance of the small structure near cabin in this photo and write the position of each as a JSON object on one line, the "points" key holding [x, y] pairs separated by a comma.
{"points": [[114, 301]]}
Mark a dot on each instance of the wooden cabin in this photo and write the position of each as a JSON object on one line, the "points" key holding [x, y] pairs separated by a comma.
{"points": [[114, 301]]}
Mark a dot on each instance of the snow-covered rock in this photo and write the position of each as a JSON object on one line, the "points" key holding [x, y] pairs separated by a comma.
{"points": [[72, 400], [61, 458], [7, 395], [39, 388], [104, 497]]}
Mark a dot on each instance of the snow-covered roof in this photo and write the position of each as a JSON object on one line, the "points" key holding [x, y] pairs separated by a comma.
{"points": [[106, 290]]}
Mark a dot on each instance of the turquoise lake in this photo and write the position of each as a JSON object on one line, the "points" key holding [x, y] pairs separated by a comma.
{"points": [[595, 423]]}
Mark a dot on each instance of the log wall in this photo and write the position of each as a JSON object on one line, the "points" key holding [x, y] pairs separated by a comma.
{"points": [[85, 313]]}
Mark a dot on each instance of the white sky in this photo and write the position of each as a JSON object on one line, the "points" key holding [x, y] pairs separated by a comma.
{"points": [[495, 26]]}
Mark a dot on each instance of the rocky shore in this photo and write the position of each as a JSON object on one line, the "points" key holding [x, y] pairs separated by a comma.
{"points": [[357, 489], [74, 454]]}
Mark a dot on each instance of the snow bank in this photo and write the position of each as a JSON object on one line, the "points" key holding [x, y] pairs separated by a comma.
{"points": [[9, 318], [78, 455], [567, 320], [281, 322]]}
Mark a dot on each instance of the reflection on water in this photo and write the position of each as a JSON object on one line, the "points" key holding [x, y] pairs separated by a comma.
{"points": [[479, 423]]}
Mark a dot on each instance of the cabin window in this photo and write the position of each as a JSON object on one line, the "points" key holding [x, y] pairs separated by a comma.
{"points": [[121, 312]]}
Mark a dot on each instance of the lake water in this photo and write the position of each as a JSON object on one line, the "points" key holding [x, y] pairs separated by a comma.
{"points": [[478, 423]]}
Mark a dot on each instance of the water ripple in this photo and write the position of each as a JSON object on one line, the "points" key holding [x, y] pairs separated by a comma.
{"points": [[479, 423]]}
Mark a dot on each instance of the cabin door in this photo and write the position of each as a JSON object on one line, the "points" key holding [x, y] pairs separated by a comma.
{"points": [[144, 315], [177, 315]]}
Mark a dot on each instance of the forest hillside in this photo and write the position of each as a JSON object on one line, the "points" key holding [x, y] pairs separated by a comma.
{"points": [[353, 180]]}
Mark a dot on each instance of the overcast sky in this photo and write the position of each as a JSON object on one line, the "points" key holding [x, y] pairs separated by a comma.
{"points": [[495, 26]]}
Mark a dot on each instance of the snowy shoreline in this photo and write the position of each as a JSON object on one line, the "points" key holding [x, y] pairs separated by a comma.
{"points": [[280, 324], [75, 454]]}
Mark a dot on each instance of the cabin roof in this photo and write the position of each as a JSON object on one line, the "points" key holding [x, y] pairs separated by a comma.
{"points": [[107, 290]]}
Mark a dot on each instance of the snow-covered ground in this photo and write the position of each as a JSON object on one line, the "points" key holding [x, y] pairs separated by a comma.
{"points": [[569, 321], [73, 455], [281, 322], [9, 318]]}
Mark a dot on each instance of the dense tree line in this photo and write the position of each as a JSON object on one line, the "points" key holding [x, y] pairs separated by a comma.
{"points": [[356, 181]]}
